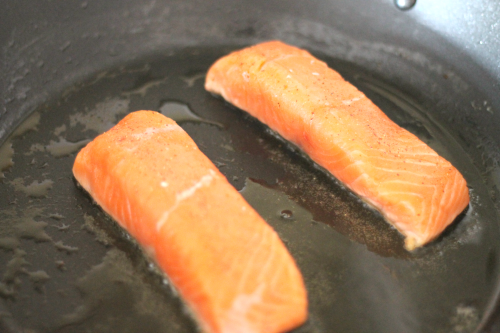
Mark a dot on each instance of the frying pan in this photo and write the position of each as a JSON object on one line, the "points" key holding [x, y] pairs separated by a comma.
{"points": [[71, 69]]}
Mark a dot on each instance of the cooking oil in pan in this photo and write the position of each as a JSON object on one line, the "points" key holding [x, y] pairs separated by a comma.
{"points": [[181, 113], [68, 268]]}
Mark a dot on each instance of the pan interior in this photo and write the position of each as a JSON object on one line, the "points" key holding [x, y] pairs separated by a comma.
{"points": [[68, 268]]}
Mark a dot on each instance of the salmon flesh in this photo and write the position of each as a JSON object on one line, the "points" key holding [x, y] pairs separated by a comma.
{"points": [[312, 106], [229, 266]]}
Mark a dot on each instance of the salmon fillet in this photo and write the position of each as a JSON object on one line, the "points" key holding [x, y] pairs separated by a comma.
{"points": [[311, 105], [227, 263]]}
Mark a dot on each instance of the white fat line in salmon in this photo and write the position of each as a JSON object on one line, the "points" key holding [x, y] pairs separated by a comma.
{"points": [[204, 181]]}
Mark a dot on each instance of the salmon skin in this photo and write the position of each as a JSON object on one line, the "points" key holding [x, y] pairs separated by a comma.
{"points": [[226, 262], [311, 105]]}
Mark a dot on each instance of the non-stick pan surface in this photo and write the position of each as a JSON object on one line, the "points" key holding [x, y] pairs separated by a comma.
{"points": [[66, 267]]}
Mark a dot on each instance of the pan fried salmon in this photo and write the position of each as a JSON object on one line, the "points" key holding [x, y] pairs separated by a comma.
{"points": [[311, 105], [226, 262]]}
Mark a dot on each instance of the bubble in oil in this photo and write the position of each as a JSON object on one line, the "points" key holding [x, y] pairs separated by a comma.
{"points": [[405, 4], [286, 214]]}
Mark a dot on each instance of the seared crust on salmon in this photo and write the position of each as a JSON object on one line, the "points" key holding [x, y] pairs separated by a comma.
{"points": [[311, 105]]}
